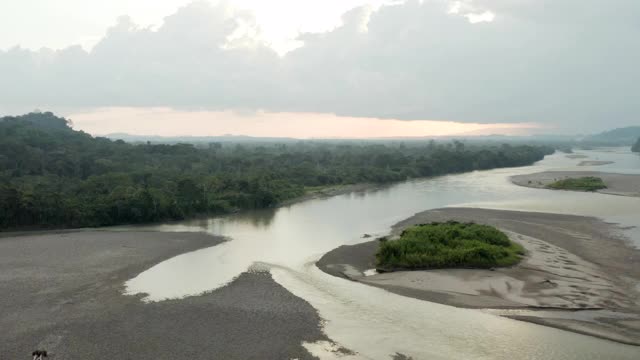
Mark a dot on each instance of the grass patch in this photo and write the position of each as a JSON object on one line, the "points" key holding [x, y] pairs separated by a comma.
{"points": [[448, 245], [588, 183]]}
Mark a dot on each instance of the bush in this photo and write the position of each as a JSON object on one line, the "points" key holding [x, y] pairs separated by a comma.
{"points": [[448, 245]]}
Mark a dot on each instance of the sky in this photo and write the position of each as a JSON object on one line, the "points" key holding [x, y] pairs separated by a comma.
{"points": [[348, 68], [60, 23], [269, 124]]}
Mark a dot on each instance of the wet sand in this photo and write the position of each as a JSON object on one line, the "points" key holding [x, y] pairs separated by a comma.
{"points": [[63, 292], [595, 163], [617, 184], [574, 266]]}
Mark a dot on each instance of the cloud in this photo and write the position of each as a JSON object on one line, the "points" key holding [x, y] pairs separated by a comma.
{"points": [[184, 63], [572, 62], [416, 62]]}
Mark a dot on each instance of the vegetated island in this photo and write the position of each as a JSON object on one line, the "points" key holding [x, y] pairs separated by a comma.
{"points": [[448, 245], [585, 183], [592, 181], [588, 162], [577, 274], [52, 176]]}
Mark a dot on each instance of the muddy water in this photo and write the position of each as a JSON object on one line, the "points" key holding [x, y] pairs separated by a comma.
{"points": [[371, 321]]}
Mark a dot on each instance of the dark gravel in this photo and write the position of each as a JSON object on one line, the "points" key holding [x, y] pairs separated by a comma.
{"points": [[62, 292]]}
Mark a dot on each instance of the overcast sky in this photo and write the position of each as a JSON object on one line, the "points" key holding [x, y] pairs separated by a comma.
{"points": [[538, 65]]}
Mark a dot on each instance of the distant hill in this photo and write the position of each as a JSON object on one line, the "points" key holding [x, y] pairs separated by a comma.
{"points": [[621, 136], [203, 140], [42, 120], [194, 139]]}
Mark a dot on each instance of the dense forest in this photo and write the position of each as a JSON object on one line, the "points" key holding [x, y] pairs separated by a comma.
{"points": [[636, 146], [54, 176]]}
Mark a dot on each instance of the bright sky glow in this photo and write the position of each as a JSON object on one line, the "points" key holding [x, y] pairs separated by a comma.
{"points": [[57, 24], [486, 16], [164, 122]]}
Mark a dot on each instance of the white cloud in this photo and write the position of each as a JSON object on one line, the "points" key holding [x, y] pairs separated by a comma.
{"points": [[486, 16], [571, 62]]}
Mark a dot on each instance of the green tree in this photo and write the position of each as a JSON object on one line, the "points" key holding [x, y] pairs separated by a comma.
{"points": [[53, 176]]}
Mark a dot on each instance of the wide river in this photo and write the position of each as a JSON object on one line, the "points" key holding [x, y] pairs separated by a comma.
{"points": [[373, 322]]}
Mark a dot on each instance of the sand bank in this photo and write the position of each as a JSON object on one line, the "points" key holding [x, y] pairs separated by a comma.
{"points": [[63, 292], [617, 184], [595, 163], [574, 266]]}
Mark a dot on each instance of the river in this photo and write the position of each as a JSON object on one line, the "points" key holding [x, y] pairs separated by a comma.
{"points": [[372, 322]]}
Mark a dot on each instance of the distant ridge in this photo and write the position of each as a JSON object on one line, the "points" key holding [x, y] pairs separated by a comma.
{"points": [[44, 120], [156, 139], [619, 136], [193, 139]]}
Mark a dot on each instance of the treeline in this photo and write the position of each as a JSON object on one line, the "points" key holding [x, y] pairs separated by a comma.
{"points": [[53, 176], [636, 146]]}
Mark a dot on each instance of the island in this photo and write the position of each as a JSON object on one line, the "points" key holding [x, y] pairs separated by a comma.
{"points": [[585, 183], [576, 272], [448, 245], [592, 181], [594, 163]]}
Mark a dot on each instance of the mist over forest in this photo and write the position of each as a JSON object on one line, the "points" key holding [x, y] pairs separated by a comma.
{"points": [[54, 176]]}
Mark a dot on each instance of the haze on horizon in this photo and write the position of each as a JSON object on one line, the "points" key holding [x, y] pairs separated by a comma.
{"points": [[352, 68]]}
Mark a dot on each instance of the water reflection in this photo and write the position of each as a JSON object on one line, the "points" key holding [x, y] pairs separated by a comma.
{"points": [[255, 218]]}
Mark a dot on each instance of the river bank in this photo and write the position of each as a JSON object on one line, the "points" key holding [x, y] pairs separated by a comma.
{"points": [[574, 266], [63, 292], [323, 192], [617, 184]]}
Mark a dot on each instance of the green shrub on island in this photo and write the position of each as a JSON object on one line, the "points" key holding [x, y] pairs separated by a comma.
{"points": [[636, 146], [587, 183], [448, 245]]}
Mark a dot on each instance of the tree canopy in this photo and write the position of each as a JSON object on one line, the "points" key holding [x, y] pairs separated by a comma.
{"points": [[54, 176]]}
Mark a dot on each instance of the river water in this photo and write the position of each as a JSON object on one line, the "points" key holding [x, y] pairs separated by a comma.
{"points": [[373, 322]]}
